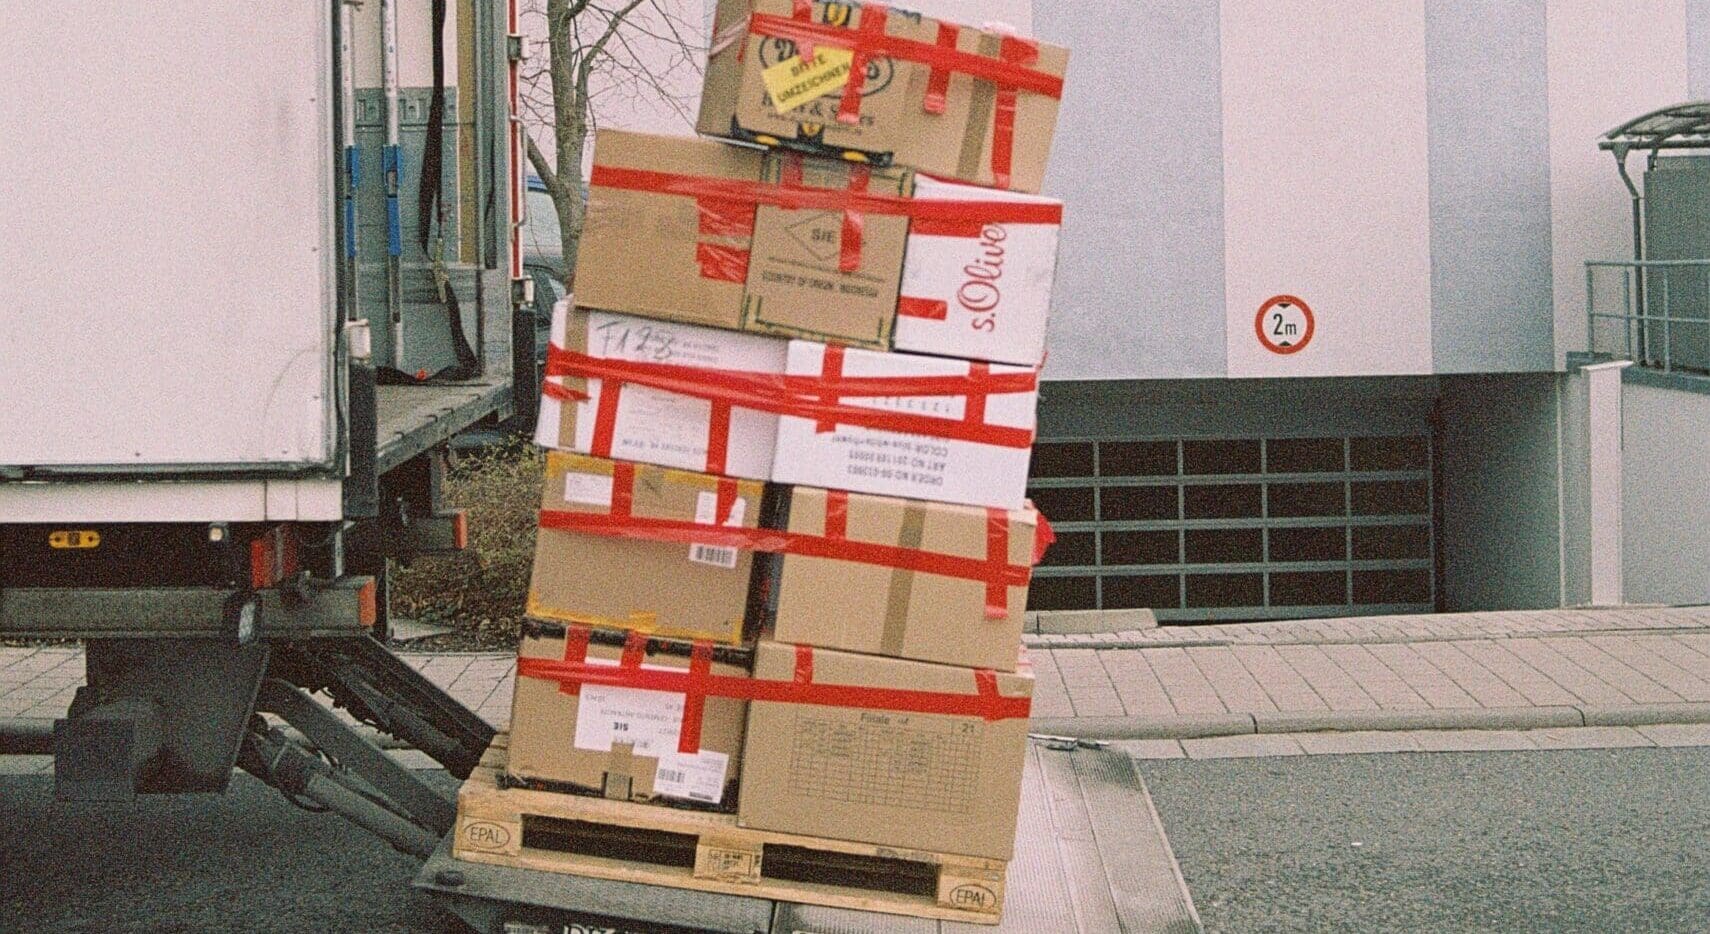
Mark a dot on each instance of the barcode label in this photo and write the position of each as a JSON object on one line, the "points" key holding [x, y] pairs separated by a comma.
{"points": [[697, 777], [706, 513], [714, 555]]}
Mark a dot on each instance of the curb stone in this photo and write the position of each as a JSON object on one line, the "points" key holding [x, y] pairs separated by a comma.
{"points": [[1201, 726]]}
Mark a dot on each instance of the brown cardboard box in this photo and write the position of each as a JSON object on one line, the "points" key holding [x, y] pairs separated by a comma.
{"points": [[894, 122], [646, 252], [945, 783], [794, 283], [676, 229], [601, 578], [864, 607], [623, 742]]}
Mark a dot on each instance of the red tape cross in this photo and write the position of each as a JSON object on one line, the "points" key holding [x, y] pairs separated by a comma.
{"points": [[814, 397], [696, 686]]}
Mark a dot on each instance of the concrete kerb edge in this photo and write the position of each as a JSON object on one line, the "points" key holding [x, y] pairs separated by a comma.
{"points": [[1188, 726], [1201, 726], [1646, 714]]}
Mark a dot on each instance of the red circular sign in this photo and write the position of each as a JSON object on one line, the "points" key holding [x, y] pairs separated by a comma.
{"points": [[1284, 324]]}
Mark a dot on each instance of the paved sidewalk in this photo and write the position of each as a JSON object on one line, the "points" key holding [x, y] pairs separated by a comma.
{"points": [[1546, 669], [1539, 670]]}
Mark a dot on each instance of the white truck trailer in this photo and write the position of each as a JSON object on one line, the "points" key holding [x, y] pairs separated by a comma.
{"points": [[260, 266]]}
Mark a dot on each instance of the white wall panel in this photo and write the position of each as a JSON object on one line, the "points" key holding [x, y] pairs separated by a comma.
{"points": [[1325, 182], [1610, 61]]}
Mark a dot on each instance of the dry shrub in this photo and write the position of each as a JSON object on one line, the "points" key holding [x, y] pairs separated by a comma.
{"points": [[481, 591]]}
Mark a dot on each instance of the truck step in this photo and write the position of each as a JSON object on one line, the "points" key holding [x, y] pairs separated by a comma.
{"points": [[704, 851]]}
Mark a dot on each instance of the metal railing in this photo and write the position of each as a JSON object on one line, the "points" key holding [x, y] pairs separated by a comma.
{"points": [[1653, 312]]}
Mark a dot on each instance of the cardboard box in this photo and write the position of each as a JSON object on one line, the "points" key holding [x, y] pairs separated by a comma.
{"points": [[923, 612], [953, 451], [942, 782], [590, 570], [704, 233], [975, 289], [652, 425], [651, 252], [943, 120], [623, 742], [796, 286]]}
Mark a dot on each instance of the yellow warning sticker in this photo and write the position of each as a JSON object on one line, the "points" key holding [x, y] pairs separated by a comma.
{"points": [[793, 82]]}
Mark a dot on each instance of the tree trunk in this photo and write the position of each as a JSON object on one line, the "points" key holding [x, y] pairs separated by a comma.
{"points": [[570, 104], [568, 198]]}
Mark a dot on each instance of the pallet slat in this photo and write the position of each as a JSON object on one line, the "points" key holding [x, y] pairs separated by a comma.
{"points": [[496, 825]]}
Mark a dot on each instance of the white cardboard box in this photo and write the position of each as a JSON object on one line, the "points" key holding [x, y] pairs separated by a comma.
{"points": [[654, 426], [985, 290], [893, 463]]}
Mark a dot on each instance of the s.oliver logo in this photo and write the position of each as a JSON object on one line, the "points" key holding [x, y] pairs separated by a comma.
{"points": [[979, 293]]}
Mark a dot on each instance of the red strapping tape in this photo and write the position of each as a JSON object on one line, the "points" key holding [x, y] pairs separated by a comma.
{"points": [[722, 263], [575, 652], [933, 309], [986, 702], [825, 199], [695, 700], [777, 541], [997, 555], [854, 223], [938, 82], [873, 16], [806, 396]]}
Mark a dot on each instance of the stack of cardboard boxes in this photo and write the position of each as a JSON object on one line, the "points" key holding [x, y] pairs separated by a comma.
{"points": [[784, 545]]}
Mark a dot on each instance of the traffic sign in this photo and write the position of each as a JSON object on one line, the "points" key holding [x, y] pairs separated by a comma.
{"points": [[1284, 324]]}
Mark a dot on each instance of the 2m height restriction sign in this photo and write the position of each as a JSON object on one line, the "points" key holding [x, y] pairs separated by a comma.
{"points": [[1284, 324]]}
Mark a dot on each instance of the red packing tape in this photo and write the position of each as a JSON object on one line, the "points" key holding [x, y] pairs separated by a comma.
{"points": [[985, 703], [825, 199], [813, 397]]}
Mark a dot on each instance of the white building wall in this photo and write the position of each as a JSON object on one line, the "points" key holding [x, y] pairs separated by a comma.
{"points": [[1666, 514], [1609, 61], [1325, 183]]}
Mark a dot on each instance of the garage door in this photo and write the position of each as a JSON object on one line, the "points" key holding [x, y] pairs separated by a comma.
{"points": [[1232, 528]]}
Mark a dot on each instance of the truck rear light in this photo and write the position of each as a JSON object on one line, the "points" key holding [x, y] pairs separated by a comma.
{"points": [[367, 609], [272, 557], [460, 530]]}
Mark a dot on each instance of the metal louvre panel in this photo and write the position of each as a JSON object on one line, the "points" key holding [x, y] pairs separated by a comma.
{"points": [[1238, 527]]}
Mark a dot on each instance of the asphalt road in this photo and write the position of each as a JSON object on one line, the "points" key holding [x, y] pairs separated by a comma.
{"points": [[1584, 840], [245, 861]]}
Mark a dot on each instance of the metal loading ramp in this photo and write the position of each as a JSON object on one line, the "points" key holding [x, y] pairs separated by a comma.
{"points": [[1091, 858]]}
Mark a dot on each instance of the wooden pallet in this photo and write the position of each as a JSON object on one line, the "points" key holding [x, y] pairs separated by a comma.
{"points": [[700, 850]]}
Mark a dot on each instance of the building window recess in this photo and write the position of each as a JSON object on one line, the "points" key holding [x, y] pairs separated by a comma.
{"points": [[1235, 529]]}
